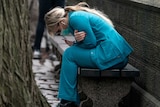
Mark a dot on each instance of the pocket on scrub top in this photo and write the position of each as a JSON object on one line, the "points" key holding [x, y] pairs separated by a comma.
{"points": [[107, 52]]}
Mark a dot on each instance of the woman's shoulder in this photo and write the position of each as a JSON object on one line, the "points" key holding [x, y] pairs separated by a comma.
{"points": [[77, 19], [76, 16], [78, 13], [82, 15]]}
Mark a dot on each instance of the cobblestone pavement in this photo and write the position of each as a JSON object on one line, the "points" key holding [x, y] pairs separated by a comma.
{"points": [[46, 81]]}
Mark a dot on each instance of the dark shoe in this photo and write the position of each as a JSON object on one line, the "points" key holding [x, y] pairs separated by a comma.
{"points": [[86, 103], [67, 104]]}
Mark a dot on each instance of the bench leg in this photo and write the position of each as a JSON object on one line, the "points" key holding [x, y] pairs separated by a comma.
{"points": [[57, 71], [84, 100], [125, 101], [105, 92]]}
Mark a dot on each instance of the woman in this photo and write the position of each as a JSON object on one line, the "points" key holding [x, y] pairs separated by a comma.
{"points": [[98, 45]]}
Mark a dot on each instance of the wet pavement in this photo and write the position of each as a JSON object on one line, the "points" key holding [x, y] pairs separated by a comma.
{"points": [[46, 81]]}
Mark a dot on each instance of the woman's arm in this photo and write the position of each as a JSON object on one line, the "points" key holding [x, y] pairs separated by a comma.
{"points": [[81, 24]]}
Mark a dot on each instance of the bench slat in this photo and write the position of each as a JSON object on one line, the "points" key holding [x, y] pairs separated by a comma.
{"points": [[128, 71]]}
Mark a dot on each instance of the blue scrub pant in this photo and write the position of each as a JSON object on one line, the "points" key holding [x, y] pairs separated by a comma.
{"points": [[72, 58]]}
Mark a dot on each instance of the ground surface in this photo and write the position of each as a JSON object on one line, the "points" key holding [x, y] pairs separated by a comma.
{"points": [[46, 81]]}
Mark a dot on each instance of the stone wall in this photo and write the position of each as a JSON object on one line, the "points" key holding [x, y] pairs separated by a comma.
{"points": [[139, 22]]}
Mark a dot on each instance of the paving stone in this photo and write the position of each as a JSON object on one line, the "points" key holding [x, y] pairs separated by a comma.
{"points": [[39, 74], [56, 80], [53, 86], [52, 89], [49, 92], [47, 82], [56, 63], [54, 104], [50, 97], [46, 78], [45, 86]]}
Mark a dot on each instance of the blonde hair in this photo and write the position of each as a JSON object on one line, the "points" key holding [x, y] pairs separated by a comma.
{"points": [[57, 14], [53, 17], [85, 7]]}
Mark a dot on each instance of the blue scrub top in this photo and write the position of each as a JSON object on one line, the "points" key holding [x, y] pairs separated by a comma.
{"points": [[107, 46]]}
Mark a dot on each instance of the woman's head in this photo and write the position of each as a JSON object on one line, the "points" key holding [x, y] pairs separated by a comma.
{"points": [[53, 18], [56, 18]]}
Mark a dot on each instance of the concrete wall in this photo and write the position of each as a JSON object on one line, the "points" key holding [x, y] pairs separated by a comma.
{"points": [[139, 22]]}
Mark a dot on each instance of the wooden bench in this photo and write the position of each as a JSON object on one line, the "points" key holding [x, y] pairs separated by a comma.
{"points": [[129, 71], [95, 88]]}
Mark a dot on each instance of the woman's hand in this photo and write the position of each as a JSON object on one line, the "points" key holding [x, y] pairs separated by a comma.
{"points": [[70, 43], [79, 36]]}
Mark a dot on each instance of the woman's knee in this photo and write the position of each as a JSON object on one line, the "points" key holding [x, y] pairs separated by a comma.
{"points": [[68, 53]]}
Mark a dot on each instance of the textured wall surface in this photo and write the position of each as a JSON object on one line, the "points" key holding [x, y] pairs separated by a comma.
{"points": [[17, 85], [155, 3], [139, 23]]}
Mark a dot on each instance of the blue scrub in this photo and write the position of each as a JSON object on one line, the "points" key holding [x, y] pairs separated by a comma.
{"points": [[103, 48]]}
